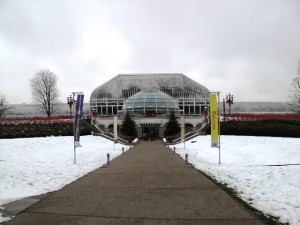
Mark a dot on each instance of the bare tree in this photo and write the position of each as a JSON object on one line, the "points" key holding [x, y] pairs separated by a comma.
{"points": [[4, 106], [44, 91], [294, 93]]}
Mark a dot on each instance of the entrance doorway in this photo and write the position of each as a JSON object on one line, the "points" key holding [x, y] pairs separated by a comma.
{"points": [[150, 133]]}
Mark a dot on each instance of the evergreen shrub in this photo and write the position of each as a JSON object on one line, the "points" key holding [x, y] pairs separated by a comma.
{"points": [[24, 130], [273, 128], [172, 126]]}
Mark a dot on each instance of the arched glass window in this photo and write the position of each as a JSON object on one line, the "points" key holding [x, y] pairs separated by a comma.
{"points": [[151, 102]]}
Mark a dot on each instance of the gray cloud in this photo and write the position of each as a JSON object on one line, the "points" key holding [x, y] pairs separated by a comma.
{"points": [[248, 48]]}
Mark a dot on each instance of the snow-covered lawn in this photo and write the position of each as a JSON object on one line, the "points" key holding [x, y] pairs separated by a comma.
{"points": [[264, 171], [35, 166]]}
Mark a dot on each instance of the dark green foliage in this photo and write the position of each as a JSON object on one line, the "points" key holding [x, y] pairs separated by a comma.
{"points": [[39, 130], [273, 128], [128, 127], [172, 126]]}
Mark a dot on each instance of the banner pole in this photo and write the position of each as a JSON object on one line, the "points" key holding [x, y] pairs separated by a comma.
{"points": [[74, 113], [214, 112], [74, 153], [219, 128], [77, 107]]}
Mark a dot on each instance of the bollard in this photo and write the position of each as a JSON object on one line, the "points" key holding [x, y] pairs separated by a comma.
{"points": [[174, 150], [186, 159], [123, 150], [107, 158]]}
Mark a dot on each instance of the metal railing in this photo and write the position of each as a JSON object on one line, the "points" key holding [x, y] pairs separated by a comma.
{"points": [[190, 132]]}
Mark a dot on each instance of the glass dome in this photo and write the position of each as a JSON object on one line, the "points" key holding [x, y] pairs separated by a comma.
{"points": [[151, 102]]}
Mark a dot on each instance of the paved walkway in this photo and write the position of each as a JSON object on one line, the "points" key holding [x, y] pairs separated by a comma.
{"points": [[148, 185]]}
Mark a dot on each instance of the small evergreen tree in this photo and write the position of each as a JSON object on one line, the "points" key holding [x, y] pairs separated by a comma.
{"points": [[128, 126], [172, 126]]}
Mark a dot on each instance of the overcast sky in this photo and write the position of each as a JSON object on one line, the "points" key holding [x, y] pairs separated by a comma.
{"points": [[249, 48]]}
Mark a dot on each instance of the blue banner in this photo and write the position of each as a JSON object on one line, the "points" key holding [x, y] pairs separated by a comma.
{"points": [[78, 118]]}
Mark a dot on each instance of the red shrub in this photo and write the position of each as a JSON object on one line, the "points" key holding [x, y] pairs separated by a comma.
{"points": [[265, 116], [44, 120]]}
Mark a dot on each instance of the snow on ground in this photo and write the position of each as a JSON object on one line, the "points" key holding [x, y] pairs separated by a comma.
{"points": [[34, 166], [246, 167]]}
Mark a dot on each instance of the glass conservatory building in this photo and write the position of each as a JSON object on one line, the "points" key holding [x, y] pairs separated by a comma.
{"points": [[149, 98], [110, 98]]}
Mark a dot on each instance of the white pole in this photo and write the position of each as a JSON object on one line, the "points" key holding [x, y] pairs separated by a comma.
{"points": [[182, 130], [115, 128], [74, 153]]}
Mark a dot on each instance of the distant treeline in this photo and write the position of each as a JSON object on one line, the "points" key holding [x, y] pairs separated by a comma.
{"points": [[33, 110], [272, 128]]}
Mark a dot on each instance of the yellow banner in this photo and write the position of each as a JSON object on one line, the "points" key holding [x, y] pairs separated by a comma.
{"points": [[214, 120]]}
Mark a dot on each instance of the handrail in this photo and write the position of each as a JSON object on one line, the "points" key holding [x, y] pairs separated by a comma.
{"points": [[189, 132]]}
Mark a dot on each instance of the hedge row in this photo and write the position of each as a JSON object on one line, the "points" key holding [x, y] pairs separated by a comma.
{"points": [[39, 130], [273, 128]]}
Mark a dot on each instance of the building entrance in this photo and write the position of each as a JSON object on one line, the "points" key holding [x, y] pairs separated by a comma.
{"points": [[150, 133], [150, 129]]}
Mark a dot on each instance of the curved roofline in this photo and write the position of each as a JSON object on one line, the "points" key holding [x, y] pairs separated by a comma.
{"points": [[151, 101], [126, 85]]}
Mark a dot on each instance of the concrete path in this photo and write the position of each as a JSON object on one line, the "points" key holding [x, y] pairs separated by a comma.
{"points": [[148, 185]]}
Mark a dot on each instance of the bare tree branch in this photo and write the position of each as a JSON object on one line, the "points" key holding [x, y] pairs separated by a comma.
{"points": [[294, 93], [44, 91], [4, 106]]}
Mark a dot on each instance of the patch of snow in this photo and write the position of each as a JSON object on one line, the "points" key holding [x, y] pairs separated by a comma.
{"points": [[246, 167], [34, 166]]}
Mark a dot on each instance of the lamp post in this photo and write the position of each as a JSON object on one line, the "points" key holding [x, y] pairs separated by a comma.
{"points": [[229, 100], [206, 114], [94, 119], [224, 109], [70, 101]]}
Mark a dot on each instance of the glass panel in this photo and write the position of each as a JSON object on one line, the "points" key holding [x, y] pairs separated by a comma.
{"points": [[103, 111], [115, 110], [172, 104], [197, 108], [150, 100], [186, 110], [161, 104], [109, 110], [191, 109], [150, 105]]}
